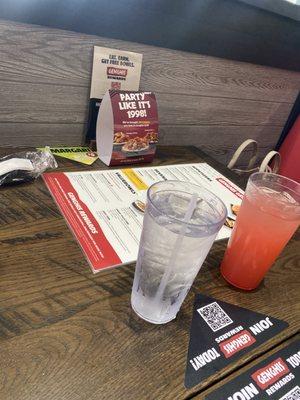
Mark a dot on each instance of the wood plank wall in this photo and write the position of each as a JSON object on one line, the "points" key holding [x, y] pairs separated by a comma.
{"points": [[209, 102]]}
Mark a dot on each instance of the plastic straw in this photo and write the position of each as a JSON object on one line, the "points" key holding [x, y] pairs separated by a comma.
{"points": [[166, 276]]}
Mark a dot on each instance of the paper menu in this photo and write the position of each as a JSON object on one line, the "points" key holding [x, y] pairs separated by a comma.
{"points": [[98, 205]]}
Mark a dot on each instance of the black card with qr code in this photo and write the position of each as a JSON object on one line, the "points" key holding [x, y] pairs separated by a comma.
{"points": [[275, 378], [221, 333]]}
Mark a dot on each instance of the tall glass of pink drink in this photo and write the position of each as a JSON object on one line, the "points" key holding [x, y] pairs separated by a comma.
{"points": [[268, 217]]}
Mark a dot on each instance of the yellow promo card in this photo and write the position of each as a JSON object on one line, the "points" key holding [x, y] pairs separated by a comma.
{"points": [[83, 155]]}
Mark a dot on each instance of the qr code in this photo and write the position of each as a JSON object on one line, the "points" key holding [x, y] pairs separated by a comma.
{"points": [[215, 317], [293, 394]]}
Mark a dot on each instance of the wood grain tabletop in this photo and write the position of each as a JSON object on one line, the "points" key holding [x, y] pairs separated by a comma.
{"points": [[68, 334]]}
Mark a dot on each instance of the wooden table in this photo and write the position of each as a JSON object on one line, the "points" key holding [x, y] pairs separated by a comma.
{"points": [[68, 334]]}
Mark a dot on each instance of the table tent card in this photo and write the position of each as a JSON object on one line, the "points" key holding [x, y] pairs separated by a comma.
{"points": [[221, 333], [275, 378], [127, 127], [112, 69]]}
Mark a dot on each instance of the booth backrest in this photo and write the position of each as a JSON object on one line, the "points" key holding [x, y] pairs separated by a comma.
{"points": [[209, 102]]}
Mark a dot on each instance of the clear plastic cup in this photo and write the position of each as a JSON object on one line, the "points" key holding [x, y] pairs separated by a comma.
{"points": [[268, 217], [180, 224]]}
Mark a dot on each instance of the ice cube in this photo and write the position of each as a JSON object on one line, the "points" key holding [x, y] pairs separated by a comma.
{"points": [[289, 197]]}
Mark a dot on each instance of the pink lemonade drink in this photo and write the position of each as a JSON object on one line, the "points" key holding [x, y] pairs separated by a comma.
{"points": [[267, 219]]}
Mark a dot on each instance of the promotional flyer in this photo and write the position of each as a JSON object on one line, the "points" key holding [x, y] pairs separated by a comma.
{"points": [[83, 155], [127, 127], [112, 69], [104, 209]]}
